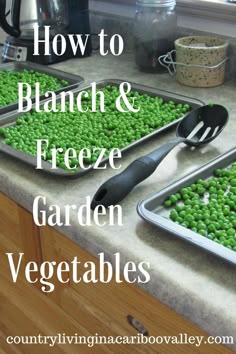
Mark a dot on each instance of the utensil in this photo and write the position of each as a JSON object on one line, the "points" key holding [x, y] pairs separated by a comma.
{"points": [[199, 127]]}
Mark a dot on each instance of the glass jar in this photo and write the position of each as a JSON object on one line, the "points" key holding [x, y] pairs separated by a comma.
{"points": [[154, 32]]}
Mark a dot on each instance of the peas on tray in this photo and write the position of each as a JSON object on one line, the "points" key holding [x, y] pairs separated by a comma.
{"points": [[208, 207], [78, 130], [9, 84]]}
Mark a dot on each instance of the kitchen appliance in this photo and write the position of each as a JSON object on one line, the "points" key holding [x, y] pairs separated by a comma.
{"points": [[63, 16], [199, 127]]}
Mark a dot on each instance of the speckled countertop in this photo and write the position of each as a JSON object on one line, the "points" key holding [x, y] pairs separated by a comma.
{"points": [[197, 285]]}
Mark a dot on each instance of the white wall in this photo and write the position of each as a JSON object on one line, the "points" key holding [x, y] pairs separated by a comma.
{"points": [[185, 19], [2, 33]]}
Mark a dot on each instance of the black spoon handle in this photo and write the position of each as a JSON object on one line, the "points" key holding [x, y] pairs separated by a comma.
{"points": [[119, 186]]}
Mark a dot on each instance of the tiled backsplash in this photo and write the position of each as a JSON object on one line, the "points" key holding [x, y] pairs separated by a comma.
{"points": [[124, 26]]}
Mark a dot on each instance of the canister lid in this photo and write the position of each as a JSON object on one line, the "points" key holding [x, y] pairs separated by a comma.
{"points": [[156, 3]]}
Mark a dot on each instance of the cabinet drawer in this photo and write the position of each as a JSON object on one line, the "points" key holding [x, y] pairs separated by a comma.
{"points": [[104, 308]]}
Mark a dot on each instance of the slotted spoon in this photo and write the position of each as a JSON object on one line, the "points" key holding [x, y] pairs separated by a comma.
{"points": [[199, 127]]}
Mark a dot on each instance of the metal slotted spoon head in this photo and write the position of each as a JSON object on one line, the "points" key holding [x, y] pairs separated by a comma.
{"points": [[203, 125]]}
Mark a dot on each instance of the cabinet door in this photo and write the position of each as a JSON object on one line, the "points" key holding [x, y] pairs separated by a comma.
{"points": [[5, 348], [18, 233], [106, 308], [10, 223], [27, 312]]}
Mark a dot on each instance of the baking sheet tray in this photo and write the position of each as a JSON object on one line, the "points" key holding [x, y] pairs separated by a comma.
{"points": [[153, 211], [10, 119], [74, 80]]}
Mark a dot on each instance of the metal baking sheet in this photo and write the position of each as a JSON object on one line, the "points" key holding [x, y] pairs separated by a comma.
{"points": [[153, 211], [10, 119], [74, 80]]}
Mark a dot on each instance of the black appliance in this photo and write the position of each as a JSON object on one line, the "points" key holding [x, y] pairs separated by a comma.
{"points": [[63, 16]]}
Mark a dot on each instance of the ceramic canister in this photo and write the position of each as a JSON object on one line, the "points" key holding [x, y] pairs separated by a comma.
{"points": [[203, 51]]}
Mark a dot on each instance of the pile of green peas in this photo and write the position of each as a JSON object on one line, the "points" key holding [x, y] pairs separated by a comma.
{"points": [[208, 207], [9, 84], [77, 130]]}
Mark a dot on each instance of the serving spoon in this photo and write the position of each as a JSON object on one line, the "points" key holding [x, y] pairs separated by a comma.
{"points": [[199, 127]]}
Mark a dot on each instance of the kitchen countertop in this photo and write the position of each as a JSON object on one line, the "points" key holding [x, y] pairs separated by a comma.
{"points": [[199, 286]]}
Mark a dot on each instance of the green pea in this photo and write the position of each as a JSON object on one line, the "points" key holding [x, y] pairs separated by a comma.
{"points": [[209, 207], [111, 129]]}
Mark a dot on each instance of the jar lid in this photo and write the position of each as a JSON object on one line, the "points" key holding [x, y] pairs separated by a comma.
{"points": [[156, 3]]}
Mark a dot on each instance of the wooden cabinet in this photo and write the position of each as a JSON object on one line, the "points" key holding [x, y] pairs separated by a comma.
{"points": [[83, 309]]}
